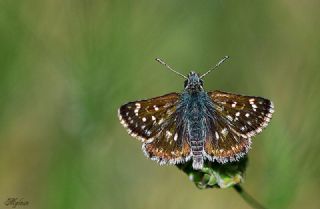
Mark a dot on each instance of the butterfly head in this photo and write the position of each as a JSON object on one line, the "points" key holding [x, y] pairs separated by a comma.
{"points": [[194, 82]]}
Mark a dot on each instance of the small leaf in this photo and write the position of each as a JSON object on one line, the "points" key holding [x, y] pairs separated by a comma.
{"points": [[216, 174]]}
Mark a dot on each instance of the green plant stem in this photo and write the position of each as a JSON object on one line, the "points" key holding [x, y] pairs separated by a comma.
{"points": [[248, 198]]}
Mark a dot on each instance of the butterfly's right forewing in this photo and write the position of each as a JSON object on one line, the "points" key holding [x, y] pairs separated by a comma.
{"points": [[145, 118], [156, 123]]}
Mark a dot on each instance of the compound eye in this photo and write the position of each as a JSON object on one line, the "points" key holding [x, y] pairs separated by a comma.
{"points": [[185, 83]]}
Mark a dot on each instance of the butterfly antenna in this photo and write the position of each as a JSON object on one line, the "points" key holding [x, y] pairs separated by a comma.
{"points": [[217, 65], [167, 66]]}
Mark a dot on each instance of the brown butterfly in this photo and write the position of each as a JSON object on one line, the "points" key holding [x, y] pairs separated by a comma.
{"points": [[196, 124]]}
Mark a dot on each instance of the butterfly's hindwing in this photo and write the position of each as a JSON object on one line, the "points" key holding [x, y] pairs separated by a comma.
{"points": [[154, 121], [231, 123], [223, 143], [169, 146]]}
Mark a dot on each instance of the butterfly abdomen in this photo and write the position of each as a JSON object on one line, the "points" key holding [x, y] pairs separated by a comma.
{"points": [[196, 140], [195, 127]]}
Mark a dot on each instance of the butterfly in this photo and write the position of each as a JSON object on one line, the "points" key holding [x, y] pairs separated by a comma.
{"points": [[196, 125]]}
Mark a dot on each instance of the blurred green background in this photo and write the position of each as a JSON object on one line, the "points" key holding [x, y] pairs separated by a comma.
{"points": [[66, 66]]}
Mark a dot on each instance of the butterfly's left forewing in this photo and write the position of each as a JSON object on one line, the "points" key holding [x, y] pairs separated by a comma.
{"points": [[248, 115], [231, 122], [154, 121]]}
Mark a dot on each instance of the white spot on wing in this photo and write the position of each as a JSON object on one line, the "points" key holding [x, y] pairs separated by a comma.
{"points": [[155, 107], [160, 121], [153, 118], [247, 115], [217, 135], [175, 137], [168, 134], [229, 117], [144, 119], [238, 114], [138, 105], [224, 131]]}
